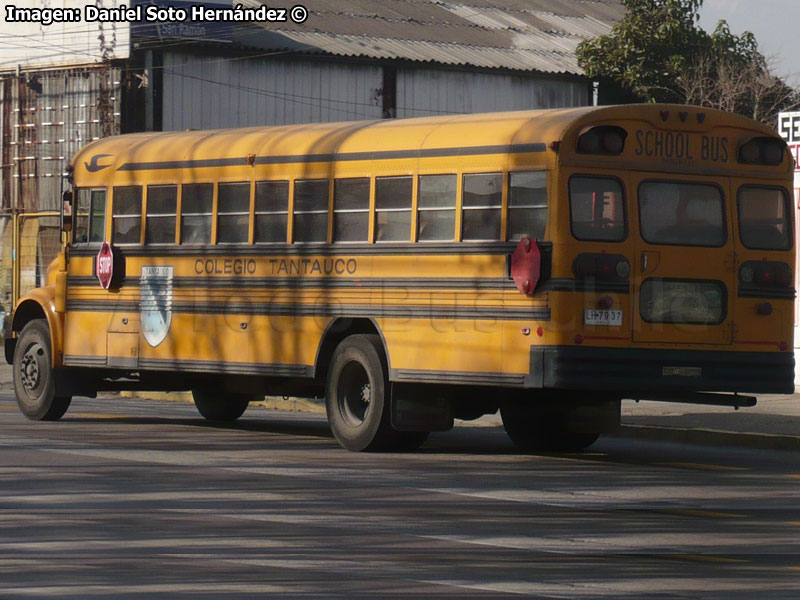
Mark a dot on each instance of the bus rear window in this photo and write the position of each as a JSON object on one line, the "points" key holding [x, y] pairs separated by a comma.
{"points": [[764, 218], [597, 209], [685, 214]]}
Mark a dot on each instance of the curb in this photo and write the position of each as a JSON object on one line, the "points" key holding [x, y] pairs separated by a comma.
{"points": [[269, 402], [709, 437], [705, 437]]}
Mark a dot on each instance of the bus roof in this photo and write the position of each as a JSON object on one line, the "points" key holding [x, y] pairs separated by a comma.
{"points": [[364, 137]]}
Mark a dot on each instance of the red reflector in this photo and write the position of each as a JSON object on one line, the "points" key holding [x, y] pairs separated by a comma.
{"points": [[606, 302], [579, 339]]}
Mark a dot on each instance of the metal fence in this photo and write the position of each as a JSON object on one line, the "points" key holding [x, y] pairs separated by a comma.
{"points": [[35, 240]]}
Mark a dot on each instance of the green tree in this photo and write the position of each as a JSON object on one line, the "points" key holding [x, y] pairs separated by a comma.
{"points": [[659, 53]]}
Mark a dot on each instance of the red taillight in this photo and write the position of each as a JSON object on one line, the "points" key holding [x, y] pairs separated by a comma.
{"points": [[606, 267], [766, 273]]}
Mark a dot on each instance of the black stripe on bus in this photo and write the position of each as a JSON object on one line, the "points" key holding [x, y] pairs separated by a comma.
{"points": [[292, 283], [377, 249], [237, 368], [566, 284], [457, 377], [200, 366], [335, 157], [72, 360], [767, 293], [487, 313], [563, 284]]}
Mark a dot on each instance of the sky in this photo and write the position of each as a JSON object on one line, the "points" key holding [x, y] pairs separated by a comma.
{"points": [[774, 23]]}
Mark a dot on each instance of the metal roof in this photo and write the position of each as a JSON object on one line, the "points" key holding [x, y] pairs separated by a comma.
{"points": [[526, 35]]}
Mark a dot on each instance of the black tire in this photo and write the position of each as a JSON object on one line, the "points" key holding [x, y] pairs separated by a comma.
{"points": [[544, 432], [215, 405], [34, 376], [357, 398]]}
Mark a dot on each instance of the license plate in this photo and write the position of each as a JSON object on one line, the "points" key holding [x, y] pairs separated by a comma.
{"points": [[602, 317]]}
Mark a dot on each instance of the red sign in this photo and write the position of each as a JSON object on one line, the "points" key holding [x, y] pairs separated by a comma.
{"points": [[104, 265]]}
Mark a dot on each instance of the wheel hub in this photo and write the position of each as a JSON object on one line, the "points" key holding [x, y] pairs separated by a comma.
{"points": [[355, 394], [30, 372]]}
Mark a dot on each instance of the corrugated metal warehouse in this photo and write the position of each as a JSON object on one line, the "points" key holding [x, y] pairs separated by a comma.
{"points": [[65, 84]]}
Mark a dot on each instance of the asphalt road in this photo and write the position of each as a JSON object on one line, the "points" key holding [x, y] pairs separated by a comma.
{"points": [[130, 498]]}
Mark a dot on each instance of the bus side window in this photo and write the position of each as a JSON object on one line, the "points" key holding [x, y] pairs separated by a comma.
{"points": [[271, 211], [197, 202], [233, 213], [162, 204], [527, 205], [351, 209], [481, 204], [437, 208], [127, 215], [311, 210], [97, 216], [81, 231], [393, 209]]}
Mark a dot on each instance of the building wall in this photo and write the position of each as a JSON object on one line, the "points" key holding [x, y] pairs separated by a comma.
{"points": [[210, 92], [423, 92], [213, 92]]}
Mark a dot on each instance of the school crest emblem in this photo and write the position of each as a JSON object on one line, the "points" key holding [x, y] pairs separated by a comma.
{"points": [[155, 303]]}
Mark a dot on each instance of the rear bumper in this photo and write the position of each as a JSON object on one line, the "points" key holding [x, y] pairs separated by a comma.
{"points": [[656, 370]]}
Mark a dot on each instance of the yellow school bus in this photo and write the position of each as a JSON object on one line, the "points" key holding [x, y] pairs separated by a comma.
{"points": [[545, 264]]}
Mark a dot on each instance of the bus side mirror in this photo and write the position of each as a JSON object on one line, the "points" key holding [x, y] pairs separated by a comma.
{"points": [[66, 211]]}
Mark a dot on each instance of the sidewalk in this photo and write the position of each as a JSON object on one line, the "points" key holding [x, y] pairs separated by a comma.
{"points": [[774, 423]]}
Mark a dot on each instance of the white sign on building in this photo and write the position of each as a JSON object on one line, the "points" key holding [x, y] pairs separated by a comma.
{"points": [[789, 129]]}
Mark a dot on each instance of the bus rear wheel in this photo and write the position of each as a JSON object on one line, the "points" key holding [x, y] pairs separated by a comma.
{"points": [[34, 376], [549, 432], [221, 406], [357, 399]]}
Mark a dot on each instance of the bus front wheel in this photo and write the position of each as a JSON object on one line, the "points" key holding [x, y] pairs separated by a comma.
{"points": [[544, 431], [221, 406], [357, 398], [34, 376]]}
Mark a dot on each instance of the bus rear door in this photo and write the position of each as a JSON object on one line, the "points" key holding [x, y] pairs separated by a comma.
{"points": [[684, 261]]}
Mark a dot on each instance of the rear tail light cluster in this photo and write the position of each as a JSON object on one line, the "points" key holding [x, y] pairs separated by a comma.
{"points": [[766, 273], [762, 151], [605, 139], [605, 267]]}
